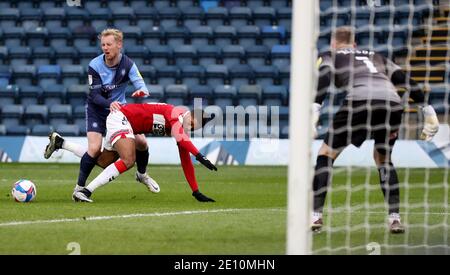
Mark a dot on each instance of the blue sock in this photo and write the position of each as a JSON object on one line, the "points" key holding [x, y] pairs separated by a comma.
{"points": [[87, 163], [142, 160]]}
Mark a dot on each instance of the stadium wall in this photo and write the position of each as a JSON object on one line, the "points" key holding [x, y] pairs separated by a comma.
{"points": [[407, 153]]}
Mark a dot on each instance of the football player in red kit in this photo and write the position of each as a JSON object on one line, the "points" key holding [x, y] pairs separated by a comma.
{"points": [[159, 119]]}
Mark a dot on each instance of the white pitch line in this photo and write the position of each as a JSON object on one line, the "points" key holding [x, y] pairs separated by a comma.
{"points": [[138, 215]]}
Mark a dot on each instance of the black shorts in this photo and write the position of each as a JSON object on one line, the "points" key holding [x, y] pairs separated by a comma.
{"points": [[357, 121]]}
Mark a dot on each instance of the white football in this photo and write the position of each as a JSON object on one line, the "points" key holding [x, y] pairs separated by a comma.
{"points": [[24, 191]]}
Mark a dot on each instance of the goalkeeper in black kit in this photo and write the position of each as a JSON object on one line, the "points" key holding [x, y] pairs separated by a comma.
{"points": [[372, 109]]}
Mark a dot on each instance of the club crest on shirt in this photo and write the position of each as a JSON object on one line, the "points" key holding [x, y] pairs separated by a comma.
{"points": [[159, 130]]}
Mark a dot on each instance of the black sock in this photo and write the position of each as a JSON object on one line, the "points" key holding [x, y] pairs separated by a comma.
{"points": [[322, 177], [142, 160], [87, 163], [390, 187], [86, 192]]}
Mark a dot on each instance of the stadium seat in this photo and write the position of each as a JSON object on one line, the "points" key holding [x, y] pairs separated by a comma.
{"points": [[253, 4], [100, 17], [19, 55], [66, 55], [233, 55], [2, 130], [132, 36], [275, 95], [176, 94], [208, 55], [86, 54], [273, 35], [167, 75], [73, 74], [169, 16], [176, 35], [185, 55], [79, 118], [3, 53], [264, 16], [68, 129], [160, 55], [265, 75], [257, 55], [138, 53], [44, 5], [76, 17], [152, 36], [115, 4], [30, 95], [192, 16], [59, 114], [41, 130], [24, 74], [76, 95], [146, 17], [9, 17], [83, 36], [43, 55], [148, 72], [48, 75], [216, 75], [13, 36], [240, 16], [30, 18], [12, 115], [53, 94], [368, 37], [224, 35], [8, 95], [281, 55], [122, 16], [192, 75], [17, 130], [54, 17], [249, 95], [224, 95], [203, 92], [138, 4], [248, 36], [240, 74], [216, 16], [35, 114], [201, 35], [5, 75], [156, 93], [284, 17]]}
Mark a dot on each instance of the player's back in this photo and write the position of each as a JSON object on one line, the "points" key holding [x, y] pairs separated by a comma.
{"points": [[363, 74]]}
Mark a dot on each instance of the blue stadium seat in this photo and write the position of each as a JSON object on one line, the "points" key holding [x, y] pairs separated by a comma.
{"points": [[30, 95], [192, 75], [2, 130], [275, 95], [122, 16], [224, 95], [176, 35], [248, 35], [5, 75], [285, 75], [216, 16], [257, 55], [253, 4], [224, 35], [284, 16], [76, 95], [12, 115], [17, 130], [201, 35], [160, 3], [152, 36], [265, 75], [192, 16], [132, 36], [73, 74], [86, 54], [76, 17], [23, 74], [176, 94], [138, 53], [83, 36], [233, 55], [240, 16], [66, 55], [368, 37], [281, 55], [146, 17], [100, 17], [59, 114], [43, 55], [169, 16], [53, 94], [35, 114], [3, 53], [9, 17], [30, 17], [68, 129], [249, 95], [148, 72], [383, 17], [203, 92], [208, 55], [19, 55], [183, 4], [240, 74], [44, 5], [167, 75], [264, 16], [8, 94], [13, 36], [273, 35], [216, 75], [138, 4], [79, 118], [36, 36], [156, 93], [54, 17], [115, 4], [48, 75], [41, 130], [160, 55], [185, 55], [91, 5], [403, 14]]}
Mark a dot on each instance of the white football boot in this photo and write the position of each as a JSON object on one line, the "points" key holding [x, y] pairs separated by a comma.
{"points": [[395, 226], [145, 179]]}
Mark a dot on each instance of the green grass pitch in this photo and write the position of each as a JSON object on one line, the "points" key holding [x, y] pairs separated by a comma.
{"points": [[249, 216]]}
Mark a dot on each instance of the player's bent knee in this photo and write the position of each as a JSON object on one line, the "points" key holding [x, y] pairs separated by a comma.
{"points": [[129, 161]]}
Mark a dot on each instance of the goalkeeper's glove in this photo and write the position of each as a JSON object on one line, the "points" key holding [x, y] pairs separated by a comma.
{"points": [[140, 93], [203, 160], [200, 197], [431, 123], [315, 117]]}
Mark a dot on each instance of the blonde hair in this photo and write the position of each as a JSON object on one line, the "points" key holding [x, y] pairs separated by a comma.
{"points": [[344, 35], [118, 35]]}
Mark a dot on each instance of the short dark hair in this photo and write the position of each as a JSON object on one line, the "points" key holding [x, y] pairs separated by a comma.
{"points": [[344, 34], [199, 115]]}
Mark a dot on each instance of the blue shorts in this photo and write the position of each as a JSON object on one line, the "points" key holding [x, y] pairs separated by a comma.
{"points": [[95, 120]]}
